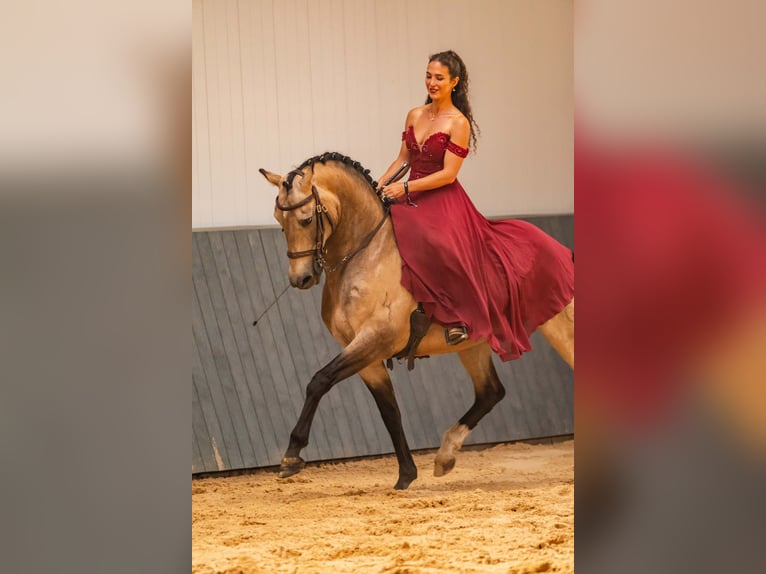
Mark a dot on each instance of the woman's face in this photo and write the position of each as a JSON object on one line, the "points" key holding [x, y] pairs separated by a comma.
{"points": [[438, 81]]}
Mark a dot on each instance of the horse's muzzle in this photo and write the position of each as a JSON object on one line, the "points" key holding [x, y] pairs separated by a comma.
{"points": [[304, 281]]}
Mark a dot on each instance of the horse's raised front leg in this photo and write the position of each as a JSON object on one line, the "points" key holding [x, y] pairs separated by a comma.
{"points": [[358, 354], [378, 382], [559, 332], [488, 392]]}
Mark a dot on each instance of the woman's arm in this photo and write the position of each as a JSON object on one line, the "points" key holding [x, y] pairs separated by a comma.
{"points": [[404, 155], [460, 134]]}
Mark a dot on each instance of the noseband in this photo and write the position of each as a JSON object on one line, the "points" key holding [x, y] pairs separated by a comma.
{"points": [[318, 252]]}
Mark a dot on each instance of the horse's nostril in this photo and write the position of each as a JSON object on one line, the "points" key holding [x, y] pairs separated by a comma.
{"points": [[305, 281]]}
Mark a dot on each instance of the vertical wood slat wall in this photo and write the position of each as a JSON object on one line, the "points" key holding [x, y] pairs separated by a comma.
{"points": [[249, 380]]}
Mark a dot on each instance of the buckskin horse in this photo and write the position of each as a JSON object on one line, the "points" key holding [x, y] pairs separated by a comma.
{"points": [[334, 221]]}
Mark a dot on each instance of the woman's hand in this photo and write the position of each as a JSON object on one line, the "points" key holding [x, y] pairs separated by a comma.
{"points": [[392, 191]]}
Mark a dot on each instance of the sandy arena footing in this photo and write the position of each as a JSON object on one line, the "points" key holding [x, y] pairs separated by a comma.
{"points": [[507, 509]]}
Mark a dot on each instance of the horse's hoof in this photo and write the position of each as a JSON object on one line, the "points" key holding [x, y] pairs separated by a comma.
{"points": [[291, 465], [443, 463], [404, 482]]}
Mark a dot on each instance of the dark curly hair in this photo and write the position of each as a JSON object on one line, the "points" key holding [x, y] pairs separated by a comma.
{"points": [[456, 67]]}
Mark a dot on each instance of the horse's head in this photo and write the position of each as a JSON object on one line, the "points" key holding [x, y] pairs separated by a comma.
{"points": [[304, 216]]}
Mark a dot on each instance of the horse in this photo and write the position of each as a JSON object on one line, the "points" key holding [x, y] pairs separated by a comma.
{"points": [[335, 222]]}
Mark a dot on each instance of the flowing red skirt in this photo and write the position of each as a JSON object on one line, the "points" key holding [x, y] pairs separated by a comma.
{"points": [[501, 279]]}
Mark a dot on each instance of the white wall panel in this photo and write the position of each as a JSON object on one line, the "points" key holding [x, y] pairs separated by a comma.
{"points": [[277, 81]]}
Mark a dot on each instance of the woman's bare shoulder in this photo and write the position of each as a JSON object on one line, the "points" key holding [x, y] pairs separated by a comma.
{"points": [[415, 113], [461, 122], [460, 131]]}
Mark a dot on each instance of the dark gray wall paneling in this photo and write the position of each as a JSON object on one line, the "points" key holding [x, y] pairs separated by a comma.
{"points": [[249, 380]]}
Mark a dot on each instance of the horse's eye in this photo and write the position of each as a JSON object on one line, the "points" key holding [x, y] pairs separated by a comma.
{"points": [[306, 222]]}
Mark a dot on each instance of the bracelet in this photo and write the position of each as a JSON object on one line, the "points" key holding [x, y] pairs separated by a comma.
{"points": [[407, 194]]}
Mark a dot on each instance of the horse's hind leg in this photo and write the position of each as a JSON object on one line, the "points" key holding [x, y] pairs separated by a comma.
{"points": [[488, 392], [559, 331], [378, 382]]}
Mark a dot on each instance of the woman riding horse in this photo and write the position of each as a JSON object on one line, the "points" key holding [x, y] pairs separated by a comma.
{"points": [[494, 280], [499, 280]]}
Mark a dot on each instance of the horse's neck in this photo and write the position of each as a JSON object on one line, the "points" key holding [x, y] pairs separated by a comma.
{"points": [[360, 212]]}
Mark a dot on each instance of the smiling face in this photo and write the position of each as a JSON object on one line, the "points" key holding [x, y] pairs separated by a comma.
{"points": [[439, 83]]}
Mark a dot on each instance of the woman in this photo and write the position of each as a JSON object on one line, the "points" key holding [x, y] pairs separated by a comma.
{"points": [[497, 280]]}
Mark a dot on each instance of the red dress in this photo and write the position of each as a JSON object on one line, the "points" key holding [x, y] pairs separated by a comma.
{"points": [[501, 279]]}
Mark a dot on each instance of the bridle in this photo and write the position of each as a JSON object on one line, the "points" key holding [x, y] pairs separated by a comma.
{"points": [[319, 251]]}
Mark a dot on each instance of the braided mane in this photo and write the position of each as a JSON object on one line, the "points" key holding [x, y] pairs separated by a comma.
{"points": [[335, 156]]}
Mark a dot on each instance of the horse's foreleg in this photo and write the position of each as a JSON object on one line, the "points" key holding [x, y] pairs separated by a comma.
{"points": [[378, 382], [488, 392], [559, 332], [358, 354]]}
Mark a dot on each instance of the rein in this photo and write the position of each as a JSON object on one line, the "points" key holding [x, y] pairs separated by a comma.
{"points": [[320, 250]]}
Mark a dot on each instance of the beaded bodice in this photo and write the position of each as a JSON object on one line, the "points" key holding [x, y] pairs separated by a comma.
{"points": [[428, 158]]}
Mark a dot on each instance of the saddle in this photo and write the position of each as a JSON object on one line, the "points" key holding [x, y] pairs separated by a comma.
{"points": [[419, 324]]}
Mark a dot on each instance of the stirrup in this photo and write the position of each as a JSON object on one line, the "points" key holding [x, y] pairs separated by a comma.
{"points": [[456, 335]]}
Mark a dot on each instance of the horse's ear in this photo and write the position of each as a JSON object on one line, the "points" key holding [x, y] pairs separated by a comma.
{"points": [[273, 178]]}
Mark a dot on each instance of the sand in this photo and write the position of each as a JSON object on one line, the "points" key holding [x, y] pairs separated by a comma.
{"points": [[507, 508]]}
